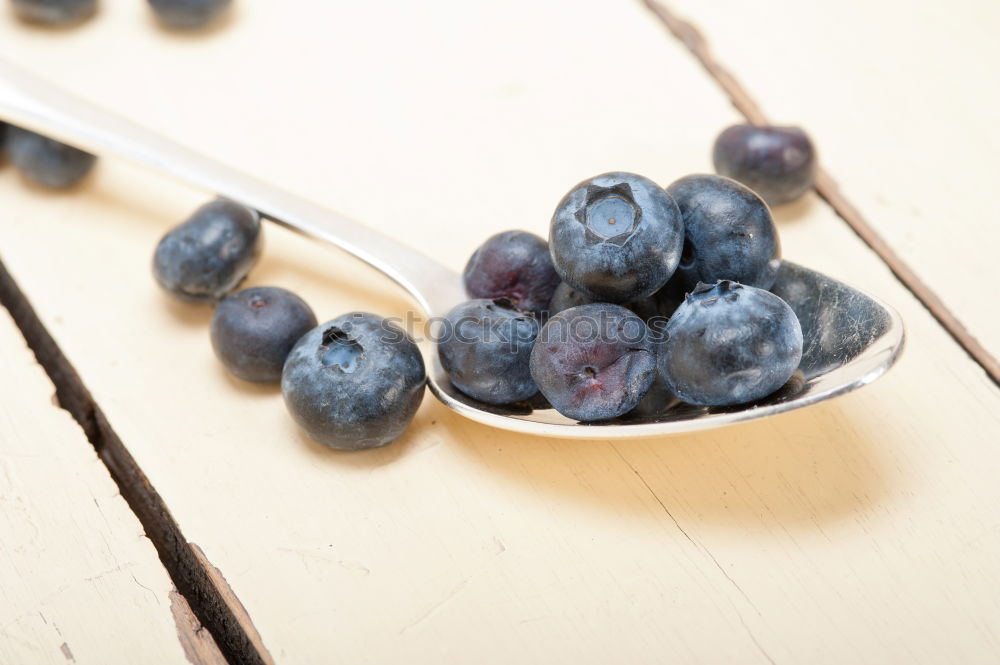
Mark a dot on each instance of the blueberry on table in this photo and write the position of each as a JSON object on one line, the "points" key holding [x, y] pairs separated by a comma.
{"points": [[515, 265], [730, 344], [188, 14], [779, 163], [207, 256], [485, 347], [354, 382], [594, 362], [728, 233], [616, 237], [253, 331], [54, 12], [45, 161]]}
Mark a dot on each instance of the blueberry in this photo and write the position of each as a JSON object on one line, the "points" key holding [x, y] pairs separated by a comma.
{"points": [[515, 265], [728, 233], [730, 344], [207, 256], [616, 237], [354, 382], [594, 362], [54, 12], [779, 163], [254, 329], [45, 161], [565, 297], [188, 14], [485, 348]]}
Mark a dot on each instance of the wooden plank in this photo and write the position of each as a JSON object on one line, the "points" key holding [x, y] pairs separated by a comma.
{"points": [[863, 530], [79, 582], [902, 101]]}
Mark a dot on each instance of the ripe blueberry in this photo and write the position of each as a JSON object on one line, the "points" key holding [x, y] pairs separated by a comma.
{"points": [[485, 348], [188, 14], [730, 344], [354, 382], [45, 161], [54, 12], [565, 297], [207, 256], [728, 233], [616, 237], [254, 329], [779, 163], [515, 265], [594, 362]]}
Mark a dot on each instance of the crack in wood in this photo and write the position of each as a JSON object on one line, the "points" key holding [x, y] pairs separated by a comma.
{"points": [[827, 189], [197, 643], [217, 609]]}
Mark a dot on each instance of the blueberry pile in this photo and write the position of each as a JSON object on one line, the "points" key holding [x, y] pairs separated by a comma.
{"points": [[662, 293], [351, 383], [172, 14]]}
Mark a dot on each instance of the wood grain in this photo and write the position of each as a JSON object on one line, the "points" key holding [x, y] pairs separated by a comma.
{"points": [[873, 152], [862, 530], [79, 582]]}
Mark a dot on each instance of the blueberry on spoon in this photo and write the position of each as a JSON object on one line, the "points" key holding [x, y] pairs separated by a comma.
{"points": [[515, 265], [594, 362]]}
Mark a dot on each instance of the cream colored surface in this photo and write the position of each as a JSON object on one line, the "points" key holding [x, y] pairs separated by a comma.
{"points": [[864, 530], [79, 582], [903, 100]]}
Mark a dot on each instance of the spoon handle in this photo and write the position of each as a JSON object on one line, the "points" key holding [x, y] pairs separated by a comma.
{"points": [[29, 102]]}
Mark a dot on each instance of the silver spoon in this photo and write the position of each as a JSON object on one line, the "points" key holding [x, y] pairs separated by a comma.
{"points": [[851, 338]]}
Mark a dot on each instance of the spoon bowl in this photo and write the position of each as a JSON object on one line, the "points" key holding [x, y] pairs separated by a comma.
{"points": [[850, 338]]}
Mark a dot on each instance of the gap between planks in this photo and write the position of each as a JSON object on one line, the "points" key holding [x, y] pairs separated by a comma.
{"points": [[200, 583], [827, 188]]}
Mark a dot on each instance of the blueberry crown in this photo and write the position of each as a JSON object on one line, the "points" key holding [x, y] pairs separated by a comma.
{"points": [[723, 289]]}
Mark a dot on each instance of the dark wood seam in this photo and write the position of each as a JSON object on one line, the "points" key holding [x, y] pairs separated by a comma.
{"points": [[187, 572], [829, 191]]}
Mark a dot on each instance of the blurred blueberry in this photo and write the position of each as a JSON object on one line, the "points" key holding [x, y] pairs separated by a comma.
{"points": [[594, 362], [730, 344], [188, 14], [207, 256], [728, 233], [254, 329], [354, 382], [485, 348], [515, 265], [45, 161], [54, 12], [616, 237], [779, 163]]}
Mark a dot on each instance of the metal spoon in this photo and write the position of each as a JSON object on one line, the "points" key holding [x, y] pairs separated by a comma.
{"points": [[850, 338]]}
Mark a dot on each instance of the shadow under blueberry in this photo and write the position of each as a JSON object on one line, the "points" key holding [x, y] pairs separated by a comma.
{"points": [[373, 457], [254, 389], [218, 25], [795, 471], [187, 313]]}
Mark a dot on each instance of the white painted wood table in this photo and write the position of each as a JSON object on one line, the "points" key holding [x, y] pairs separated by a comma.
{"points": [[862, 530]]}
